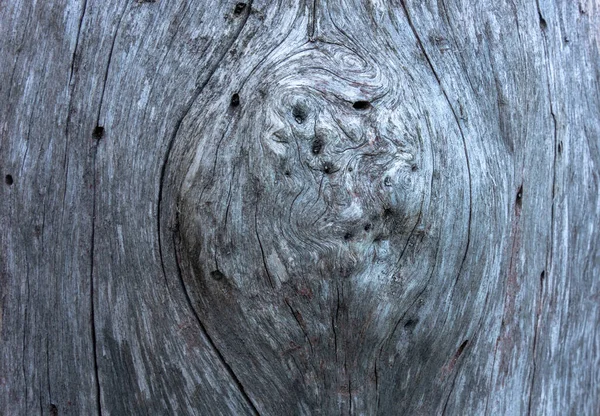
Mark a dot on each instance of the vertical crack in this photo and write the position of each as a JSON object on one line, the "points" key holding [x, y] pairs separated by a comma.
{"points": [[538, 314], [555, 147], [77, 42], [110, 55], [92, 304], [313, 21], [48, 369], [262, 251], [187, 109], [25, 326], [300, 323], [376, 388], [457, 120], [209, 339], [96, 138], [349, 391], [211, 70], [71, 91]]}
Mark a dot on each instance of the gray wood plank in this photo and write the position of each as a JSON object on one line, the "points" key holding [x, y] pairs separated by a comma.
{"points": [[300, 207]]}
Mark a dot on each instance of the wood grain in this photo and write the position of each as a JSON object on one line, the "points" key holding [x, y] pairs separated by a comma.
{"points": [[355, 207]]}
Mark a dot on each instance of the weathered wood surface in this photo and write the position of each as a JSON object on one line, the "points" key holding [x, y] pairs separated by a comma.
{"points": [[358, 207]]}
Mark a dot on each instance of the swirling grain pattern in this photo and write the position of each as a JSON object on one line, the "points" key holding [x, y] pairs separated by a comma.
{"points": [[275, 207], [307, 222]]}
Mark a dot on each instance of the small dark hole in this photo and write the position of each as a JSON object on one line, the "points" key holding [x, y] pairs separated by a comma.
{"points": [[350, 169], [388, 212], [519, 200], [217, 275], [410, 324], [560, 147], [387, 181], [287, 173], [299, 114], [327, 167], [543, 23], [348, 236], [9, 180], [317, 146], [361, 105], [542, 276], [368, 227], [53, 410], [235, 100], [239, 8], [461, 348], [98, 133], [414, 168]]}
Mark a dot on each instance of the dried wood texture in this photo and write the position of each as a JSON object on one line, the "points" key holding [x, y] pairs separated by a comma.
{"points": [[355, 207]]}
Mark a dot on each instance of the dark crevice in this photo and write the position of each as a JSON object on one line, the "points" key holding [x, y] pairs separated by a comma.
{"points": [[25, 327], [313, 21], [170, 144], [538, 313], [302, 326], [457, 120], [376, 388], [92, 305], [262, 251], [349, 391], [334, 320], [453, 362], [229, 196], [461, 349], [515, 238], [97, 134], [74, 56], [71, 91], [557, 149], [48, 369], [388, 339], [212, 344], [110, 55]]}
